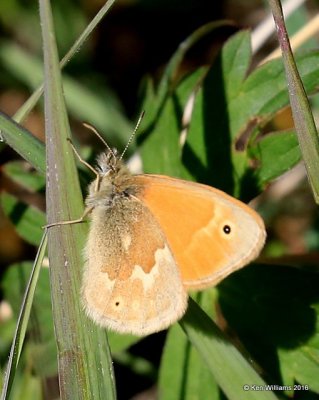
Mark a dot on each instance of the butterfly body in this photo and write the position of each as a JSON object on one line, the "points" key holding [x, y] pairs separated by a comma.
{"points": [[151, 238]]}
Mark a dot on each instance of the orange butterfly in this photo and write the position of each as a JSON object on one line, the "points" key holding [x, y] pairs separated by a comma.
{"points": [[151, 239]]}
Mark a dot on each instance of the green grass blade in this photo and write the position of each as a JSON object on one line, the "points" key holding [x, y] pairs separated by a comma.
{"points": [[21, 114], [84, 362], [28, 69], [23, 142], [19, 172], [23, 319], [229, 368], [190, 379], [302, 115], [27, 219]]}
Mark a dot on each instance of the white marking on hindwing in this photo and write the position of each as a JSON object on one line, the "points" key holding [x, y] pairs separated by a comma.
{"points": [[148, 279]]}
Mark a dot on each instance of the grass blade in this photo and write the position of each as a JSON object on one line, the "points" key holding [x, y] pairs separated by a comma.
{"points": [[223, 360], [28, 69], [301, 111], [84, 362], [23, 142], [21, 114], [23, 319]]}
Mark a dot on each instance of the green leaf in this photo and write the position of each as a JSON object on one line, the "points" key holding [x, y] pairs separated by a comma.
{"points": [[301, 365], [120, 343], [274, 311], [221, 357], [23, 142], [183, 375], [236, 58], [28, 387], [169, 79], [20, 173], [228, 109], [161, 149], [138, 365], [226, 121], [280, 146], [264, 92], [28, 220]]}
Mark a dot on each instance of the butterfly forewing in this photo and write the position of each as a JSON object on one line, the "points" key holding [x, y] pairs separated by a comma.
{"points": [[210, 233]]}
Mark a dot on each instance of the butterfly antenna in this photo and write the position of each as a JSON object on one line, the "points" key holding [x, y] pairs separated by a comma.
{"points": [[133, 134], [100, 137]]}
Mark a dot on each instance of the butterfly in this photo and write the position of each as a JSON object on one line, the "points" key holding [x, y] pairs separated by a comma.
{"points": [[151, 239]]}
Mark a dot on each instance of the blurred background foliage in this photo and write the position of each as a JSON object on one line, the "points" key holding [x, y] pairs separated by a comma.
{"points": [[107, 84]]}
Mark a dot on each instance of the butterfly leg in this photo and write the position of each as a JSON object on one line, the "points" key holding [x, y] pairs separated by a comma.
{"points": [[70, 222]]}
